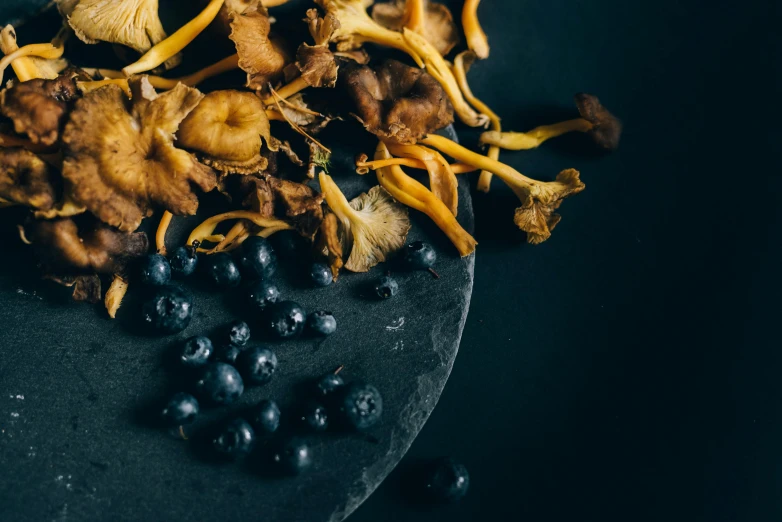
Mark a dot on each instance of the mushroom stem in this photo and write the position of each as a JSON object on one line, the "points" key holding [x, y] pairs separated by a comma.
{"points": [[275, 115], [409, 192], [476, 38], [363, 165], [42, 50], [237, 230], [287, 90], [534, 138], [267, 232], [115, 294], [7, 140], [122, 83], [160, 235], [24, 68], [273, 3], [442, 181], [415, 14], [205, 230], [335, 199], [176, 42]]}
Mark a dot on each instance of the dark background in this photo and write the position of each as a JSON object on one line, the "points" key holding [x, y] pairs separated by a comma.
{"points": [[628, 368]]}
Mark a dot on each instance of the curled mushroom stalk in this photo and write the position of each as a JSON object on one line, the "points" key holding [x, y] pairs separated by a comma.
{"points": [[430, 19], [31, 67], [596, 121], [539, 199]]}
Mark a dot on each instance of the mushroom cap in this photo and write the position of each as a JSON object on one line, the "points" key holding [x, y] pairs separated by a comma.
{"points": [[25, 179], [259, 56], [317, 65], [301, 205], [39, 108], [228, 128], [397, 102], [438, 25], [536, 214], [607, 129], [121, 160]]}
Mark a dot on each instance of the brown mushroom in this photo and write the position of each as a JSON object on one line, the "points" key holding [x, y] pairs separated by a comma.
{"points": [[227, 129], [316, 63], [299, 203], [25, 179], [430, 19], [85, 287], [397, 102], [259, 56], [120, 156]]}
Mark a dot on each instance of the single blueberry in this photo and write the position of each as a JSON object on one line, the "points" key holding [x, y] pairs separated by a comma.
{"points": [[293, 456], [221, 271], [320, 274], [328, 384], [257, 258], [321, 323], [228, 353], [290, 245], [283, 320], [220, 384], [238, 333], [314, 417], [386, 287], [261, 294], [155, 270], [196, 351], [180, 409], [360, 405], [183, 261], [168, 311], [257, 365], [235, 439], [420, 255], [266, 416], [447, 480]]}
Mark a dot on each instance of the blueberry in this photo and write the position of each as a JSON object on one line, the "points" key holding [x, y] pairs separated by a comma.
{"points": [[257, 365], [238, 333], [155, 270], [168, 311], [328, 384], [284, 319], [314, 417], [420, 255], [290, 245], [360, 406], [196, 351], [181, 409], [257, 258], [235, 439], [228, 353], [320, 275], [221, 271], [386, 287], [447, 481], [183, 261], [266, 416], [321, 323], [292, 456], [261, 294], [220, 384]]}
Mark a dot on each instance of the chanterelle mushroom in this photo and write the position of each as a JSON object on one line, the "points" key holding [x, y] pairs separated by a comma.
{"points": [[316, 63], [25, 179], [29, 67], [228, 129], [120, 156], [397, 102], [433, 20], [133, 23], [259, 56]]}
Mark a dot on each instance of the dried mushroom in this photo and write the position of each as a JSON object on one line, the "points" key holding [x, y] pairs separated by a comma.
{"points": [[432, 20], [374, 224], [29, 67], [228, 129], [66, 246], [120, 156], [602, 126], [316, 63], [259, 56], [330, 243], [85, 287], [397, 102], [25, 179], [39, 108], [300, 204]]}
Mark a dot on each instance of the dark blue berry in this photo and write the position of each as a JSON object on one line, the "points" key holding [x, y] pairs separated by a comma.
{"points": [[314, 417], [221, 271], [155, 270], [284, 319], [220, 384], [321, 323], [168, 311], [183, 261], [292, 456], [238, 333], [261, 294], [266, 416], [196, 352], [386, 287], [420, 255], [360, 405], [320, 275], [257, 365], [228, 353], [328, 384], [235, 439], [257, 258], [447, 481], [290, 245], [181, 409]]}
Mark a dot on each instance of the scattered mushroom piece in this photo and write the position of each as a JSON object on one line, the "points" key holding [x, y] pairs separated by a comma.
{"points": [[115, 294], [539, 199], [259, 56], [602, 126], [329, 243], [375, 224], [29, 67], [442, 180], [299, 203], [120, 156], [48, 51], [227, 129], [397, 102], [205, 231], [316, 63], [473, 32], [25, 179], [432, 20]]}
